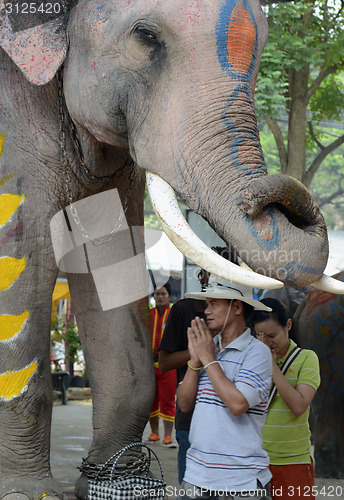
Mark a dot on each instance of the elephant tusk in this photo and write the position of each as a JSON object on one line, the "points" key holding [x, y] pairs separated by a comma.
{"points": [[329, 284], [175, 226]]}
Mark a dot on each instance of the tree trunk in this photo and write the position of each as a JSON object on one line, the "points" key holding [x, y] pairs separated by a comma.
{"points": [[298, 86]]}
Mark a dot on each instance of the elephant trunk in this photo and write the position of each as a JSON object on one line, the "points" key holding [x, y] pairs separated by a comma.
{"points": [[278, 231], [291, 196], [289, 232]]}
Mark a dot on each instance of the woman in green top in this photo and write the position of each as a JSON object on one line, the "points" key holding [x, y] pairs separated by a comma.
{"points": [[286, 433]]}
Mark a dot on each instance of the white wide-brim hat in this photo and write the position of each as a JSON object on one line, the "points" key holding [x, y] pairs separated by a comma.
{"points": [[223, 289]]}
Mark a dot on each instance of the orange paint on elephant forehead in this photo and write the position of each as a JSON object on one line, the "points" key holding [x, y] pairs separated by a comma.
{"points": [[241, 39]]}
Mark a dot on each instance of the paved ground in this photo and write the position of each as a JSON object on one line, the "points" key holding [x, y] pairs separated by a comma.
{"points": [[71, 437]]}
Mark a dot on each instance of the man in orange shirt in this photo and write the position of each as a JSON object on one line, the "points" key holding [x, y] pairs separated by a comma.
{"points": [[165, 383]]}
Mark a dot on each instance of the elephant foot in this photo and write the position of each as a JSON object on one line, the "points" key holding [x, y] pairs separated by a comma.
{"points": [[81, 487], [28, 488]]}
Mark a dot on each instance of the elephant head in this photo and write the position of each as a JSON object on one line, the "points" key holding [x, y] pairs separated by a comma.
{"points": [[174, 83]]}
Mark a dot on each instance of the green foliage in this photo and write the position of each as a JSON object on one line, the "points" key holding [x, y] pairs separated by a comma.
{"points": [[304, 60], [61, 330], [327, 189], [327, 186], [328, 101], [270, 151], [301, 35]]}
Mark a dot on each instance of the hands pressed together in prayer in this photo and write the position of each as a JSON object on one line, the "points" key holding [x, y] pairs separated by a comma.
{"points": [[201, 344]]}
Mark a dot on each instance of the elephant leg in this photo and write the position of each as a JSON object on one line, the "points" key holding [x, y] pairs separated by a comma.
{"points": [[117, 349], [25, 379], [328, 443]]}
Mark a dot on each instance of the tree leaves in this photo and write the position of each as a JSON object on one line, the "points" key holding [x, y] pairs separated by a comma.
{"points": [[301, 85]]}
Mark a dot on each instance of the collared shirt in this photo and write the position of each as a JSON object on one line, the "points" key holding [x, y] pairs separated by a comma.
{"points": [[226, 450], [286, 437]]}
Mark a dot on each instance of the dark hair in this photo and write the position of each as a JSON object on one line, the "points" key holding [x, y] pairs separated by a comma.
{"points": [[279, 312], [223, 252], [167, 286], [247, 310]]}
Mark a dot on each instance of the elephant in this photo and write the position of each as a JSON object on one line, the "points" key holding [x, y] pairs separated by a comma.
{"points": [[96, 95], [290, 296], [319, 325]]}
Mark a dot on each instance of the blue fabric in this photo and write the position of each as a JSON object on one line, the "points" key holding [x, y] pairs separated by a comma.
{"points": [[182, 437]]}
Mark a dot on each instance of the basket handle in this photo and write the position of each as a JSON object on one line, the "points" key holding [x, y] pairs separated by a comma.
{"points": [[121, 452]]}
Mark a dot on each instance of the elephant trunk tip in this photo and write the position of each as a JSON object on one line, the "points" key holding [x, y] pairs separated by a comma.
{"points": [[289, 196], [285, 221]]}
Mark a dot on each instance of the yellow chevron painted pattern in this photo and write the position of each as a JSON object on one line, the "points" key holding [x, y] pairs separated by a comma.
{"points": [[12, 384], [5, 178], [11, 325], [9, 203], [10, 270]]}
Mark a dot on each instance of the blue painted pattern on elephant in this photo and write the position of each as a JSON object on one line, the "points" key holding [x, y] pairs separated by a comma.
{"points": [[248, 135], [292, 269], [265, 231], [237, 41], [328, 342]]}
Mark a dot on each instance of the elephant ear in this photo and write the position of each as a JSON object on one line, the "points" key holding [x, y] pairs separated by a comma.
{"points": [[36, 41]]}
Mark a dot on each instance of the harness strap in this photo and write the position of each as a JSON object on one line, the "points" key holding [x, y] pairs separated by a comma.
{"points": [[287, 362]]}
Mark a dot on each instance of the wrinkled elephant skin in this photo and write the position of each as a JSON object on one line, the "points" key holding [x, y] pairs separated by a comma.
{"points": [[319, 325], [168, 85]]}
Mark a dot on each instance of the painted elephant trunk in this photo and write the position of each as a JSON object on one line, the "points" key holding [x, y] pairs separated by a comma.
{"points": [[266, 203], [287, 192]]}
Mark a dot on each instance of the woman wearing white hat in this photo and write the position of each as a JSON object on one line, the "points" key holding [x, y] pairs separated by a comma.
{"points": [[227, 383]]}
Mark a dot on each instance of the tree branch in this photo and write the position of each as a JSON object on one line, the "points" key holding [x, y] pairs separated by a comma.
{"points": [[320, 158], [329, 199], [278, 136], [339, 10], [314, 137], [321, 77]]}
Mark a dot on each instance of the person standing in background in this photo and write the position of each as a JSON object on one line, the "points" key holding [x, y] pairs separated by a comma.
{"points": [[165, 383], [174, 354], [286, 433]]}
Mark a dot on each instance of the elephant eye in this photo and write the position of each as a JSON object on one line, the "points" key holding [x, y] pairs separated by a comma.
{"points": [[146, 35]]}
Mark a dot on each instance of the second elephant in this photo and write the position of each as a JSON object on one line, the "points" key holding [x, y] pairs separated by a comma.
{"points": [[319, 325]]}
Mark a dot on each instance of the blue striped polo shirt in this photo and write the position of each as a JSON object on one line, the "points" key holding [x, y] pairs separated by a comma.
{"points": [[226, 450]]}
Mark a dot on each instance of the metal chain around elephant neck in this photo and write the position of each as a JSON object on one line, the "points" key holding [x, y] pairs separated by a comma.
{"points": [[63, 113]]}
